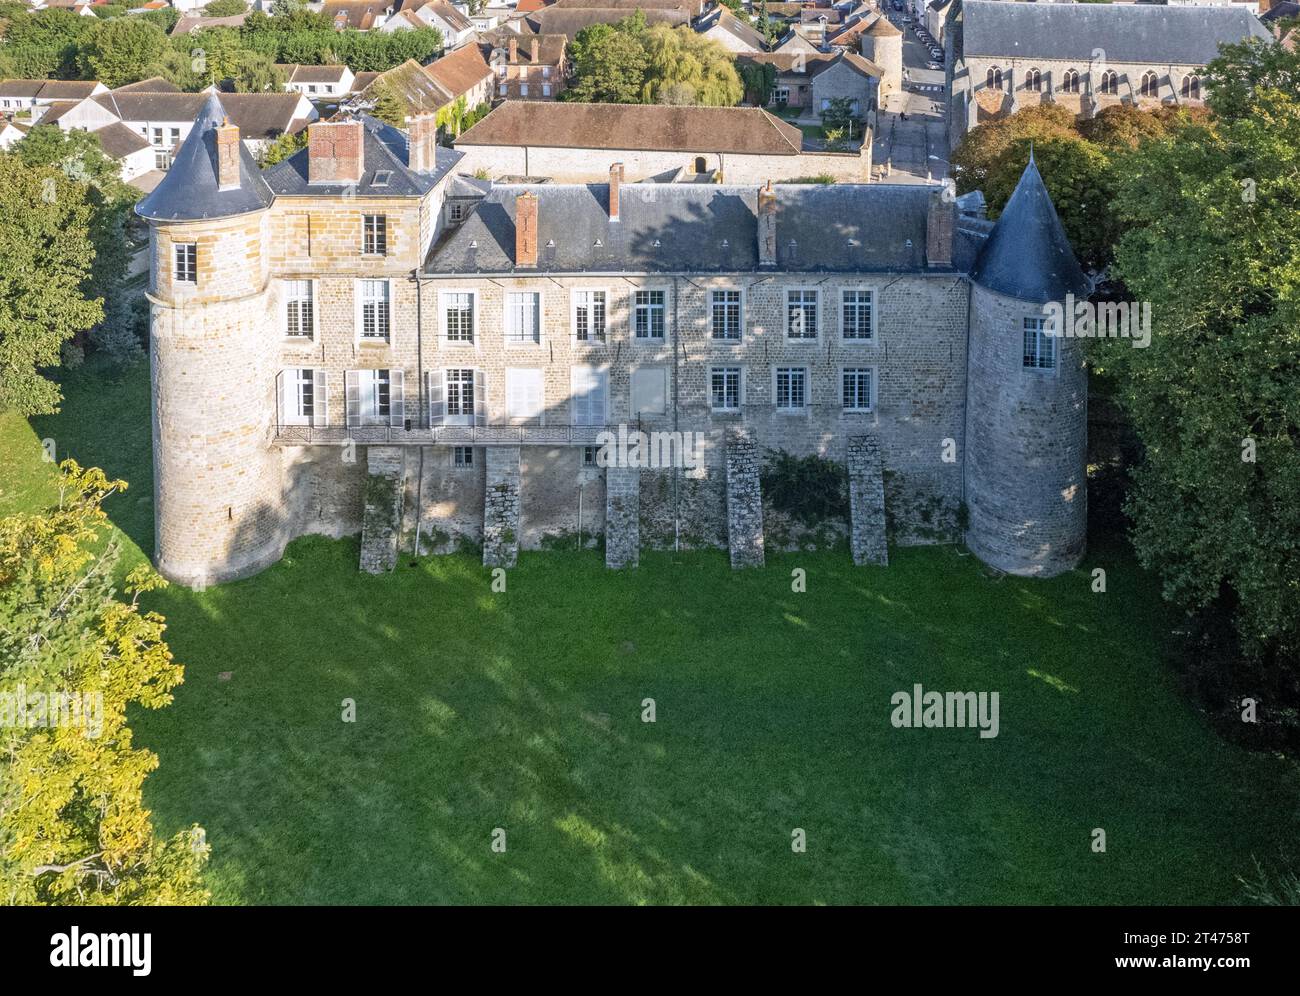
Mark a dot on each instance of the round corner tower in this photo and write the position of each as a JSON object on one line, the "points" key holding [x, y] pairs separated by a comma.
{"points": [[217, 488], [882, 43], [1027, 395]]}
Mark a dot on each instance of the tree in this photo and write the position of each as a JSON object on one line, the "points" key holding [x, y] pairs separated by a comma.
{"points": [[283, 147], [225, 8], [123, 50], [73, 827], [760, 80], [47, 251], [257, 73], [609, 66], [387, 105], [686, 61], [1212, 242]]}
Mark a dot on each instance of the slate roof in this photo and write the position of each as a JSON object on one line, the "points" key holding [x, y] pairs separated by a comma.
{"points": [[644, 127], [119, 141], [48, 89], [698, 228], [1028, 256], [1280, 10], [1130, 33], [297, 73], [154, 84], [384, 150], [189, 191], [448, 14], [260, 116], [742, 31]]}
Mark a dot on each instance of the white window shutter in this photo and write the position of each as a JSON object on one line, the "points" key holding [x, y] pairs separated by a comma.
{"points": [[352, 398], [480, 398], [437, 406], [281, 399], [396, 398], [322, 399]]}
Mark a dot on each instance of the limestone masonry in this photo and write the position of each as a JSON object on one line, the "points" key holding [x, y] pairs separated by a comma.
{"points": [[362, 339]]}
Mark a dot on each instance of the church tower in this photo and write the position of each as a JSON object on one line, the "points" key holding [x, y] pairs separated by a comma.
{"points": [[217, 490], [1027, 400]]}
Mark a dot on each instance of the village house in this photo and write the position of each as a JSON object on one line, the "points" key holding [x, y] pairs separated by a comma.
{"points": [[528, 67], [19, 96], [318, 82], [573, 143], [456, 28], [1004, 56], [334, 350]]}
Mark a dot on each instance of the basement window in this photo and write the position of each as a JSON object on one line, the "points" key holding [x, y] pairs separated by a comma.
{"points": [[462, 457]]}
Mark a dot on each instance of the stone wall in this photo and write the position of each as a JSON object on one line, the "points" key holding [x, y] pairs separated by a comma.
{"points": [[382, 519], [744, 501], [501, 507], [622, 517], [866, 502]]}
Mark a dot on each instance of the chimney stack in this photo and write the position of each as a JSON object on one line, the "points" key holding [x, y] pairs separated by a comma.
{"points": [[615, 186], [526, 229], [941, 219], [334, 152], [534, 48], [422, 143], [227, 155], [767, 225], [513, 49]]}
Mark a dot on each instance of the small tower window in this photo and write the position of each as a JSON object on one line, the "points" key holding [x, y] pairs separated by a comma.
{"points": [[1040, 345], [187, 262]]}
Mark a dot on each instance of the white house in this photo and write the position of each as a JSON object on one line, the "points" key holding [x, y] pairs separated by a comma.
{"points": [[315, 82], [22, 95], [456, 28]]}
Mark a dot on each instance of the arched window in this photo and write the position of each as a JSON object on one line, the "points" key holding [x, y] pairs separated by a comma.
{"points": [[1110, 81], [1192, 87], [993, 78], [1070, 81], [1150, 84], [1034, 80]]}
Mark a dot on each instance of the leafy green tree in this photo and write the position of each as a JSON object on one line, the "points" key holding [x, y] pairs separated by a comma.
{"points": [[45, 43], [759, 80], [46, 246], [225, 8], [283, 147], [73, 827], [690, 64], [609, 66], [387, 105], [123, 50], [1212, 242], [257, 73]]}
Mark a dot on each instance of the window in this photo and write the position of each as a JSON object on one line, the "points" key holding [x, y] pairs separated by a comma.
{"points": [[374, 309], [589, 315], [801, 314], [1110, 82], [1070, 81], [187, 262], [458, 316], [701, 165], [524, 394], [857, 389], [374, 234], [726, 314], [456, 213], [791, 389], [546, 72], [1040, 347], [502, 89], [649, 391], [780, 95], [459, 395], [588, 388], [522, 318], [298, 308], [993, 78], [590, 456], [175, 138], [302, 397], [311, 88], [1192, 87], [648, 314], [724, 389], [1034, 81], [374, 397], [462, 457], [158, 137], [523, 89], [546, 89], [1150, 84], [856, 314]]}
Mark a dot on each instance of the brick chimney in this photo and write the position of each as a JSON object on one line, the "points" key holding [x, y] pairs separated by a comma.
{"points": [[767, 225], [334, 152], [227, 155], [941, 218], [422, 143], [512, 47], [615, 185], [526, 229], [534, 48]]}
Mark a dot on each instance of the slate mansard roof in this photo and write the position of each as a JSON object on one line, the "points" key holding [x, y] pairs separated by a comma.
{"points": [[1028, 256], [1128, 33], [384, 150], [695, 228], [189, 191]]}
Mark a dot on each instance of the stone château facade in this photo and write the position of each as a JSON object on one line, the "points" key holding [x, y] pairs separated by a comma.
{"points": [[359, 340]]}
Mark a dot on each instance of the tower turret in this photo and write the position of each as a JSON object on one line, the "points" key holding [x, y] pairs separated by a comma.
{"points": [[882, 43], [1027, 400], [217, 495]]}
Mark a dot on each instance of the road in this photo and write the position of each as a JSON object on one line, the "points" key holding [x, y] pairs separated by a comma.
{"points": [[914, 150]]}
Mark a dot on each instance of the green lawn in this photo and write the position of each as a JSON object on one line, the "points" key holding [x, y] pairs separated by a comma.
{"points": [[522, 709]]}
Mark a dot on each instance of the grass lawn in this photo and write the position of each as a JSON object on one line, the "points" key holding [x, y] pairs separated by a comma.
{"points": [[522, 710]]}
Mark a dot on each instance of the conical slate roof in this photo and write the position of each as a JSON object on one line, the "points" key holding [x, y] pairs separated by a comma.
{"points": [[1027, 255], [189, 190]]}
